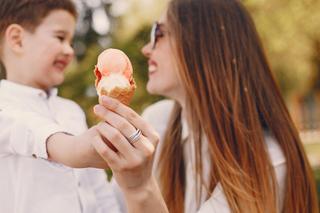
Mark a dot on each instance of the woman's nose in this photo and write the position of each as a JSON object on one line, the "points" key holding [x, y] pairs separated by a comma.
{"points": [[146, 50]]}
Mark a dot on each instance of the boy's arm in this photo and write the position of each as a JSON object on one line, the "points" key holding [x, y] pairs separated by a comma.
{"points": [[28, 134], [74, 151], [25, 134]]}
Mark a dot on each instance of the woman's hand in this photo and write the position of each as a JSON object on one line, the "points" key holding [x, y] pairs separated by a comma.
{"points": [[131, 163]]}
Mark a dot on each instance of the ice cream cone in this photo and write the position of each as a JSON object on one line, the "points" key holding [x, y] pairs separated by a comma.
{"points": [[114, 76]]}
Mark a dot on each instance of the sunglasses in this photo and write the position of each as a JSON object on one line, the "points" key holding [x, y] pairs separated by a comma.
{"points": [[155, 34]]}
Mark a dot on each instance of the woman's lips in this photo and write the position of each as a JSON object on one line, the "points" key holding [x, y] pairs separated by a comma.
{"points": [[152, 66]]}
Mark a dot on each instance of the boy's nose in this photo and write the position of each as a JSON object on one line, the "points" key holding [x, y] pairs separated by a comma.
{"points": [[68, 50]]}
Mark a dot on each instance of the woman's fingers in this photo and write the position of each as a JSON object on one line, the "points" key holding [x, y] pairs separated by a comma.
{"points": [[116, 138], [122, 125], [121, 143], [145, 146], [122, 128], [129, 114], [119, 161], [112, 158], [115, 120]]}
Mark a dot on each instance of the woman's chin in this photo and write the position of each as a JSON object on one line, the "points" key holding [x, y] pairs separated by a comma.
{"points": [[152, 89]]}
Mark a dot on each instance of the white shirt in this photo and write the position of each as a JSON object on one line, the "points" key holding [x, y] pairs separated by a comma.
{"points": [[30, 183], [158, 115]]}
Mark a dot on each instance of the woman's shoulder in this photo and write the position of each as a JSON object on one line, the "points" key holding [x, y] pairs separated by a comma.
{"points": [[158, 114], [158, 109]]}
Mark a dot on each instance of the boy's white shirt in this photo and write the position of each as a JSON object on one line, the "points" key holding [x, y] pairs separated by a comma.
{"points": [[158, 115], [30, 183]]}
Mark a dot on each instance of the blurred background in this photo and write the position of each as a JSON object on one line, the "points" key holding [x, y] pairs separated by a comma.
{"points": [[290, 30]]}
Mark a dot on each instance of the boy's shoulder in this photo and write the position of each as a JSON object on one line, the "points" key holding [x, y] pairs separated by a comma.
{"points": [[11, 106], [65, 103]]}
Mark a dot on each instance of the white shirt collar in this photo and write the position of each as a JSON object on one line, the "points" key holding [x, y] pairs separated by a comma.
{"points": [[185, 129], [23, 90]]}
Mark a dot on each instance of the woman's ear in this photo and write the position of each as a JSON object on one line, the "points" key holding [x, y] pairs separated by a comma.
{"points": [[13, 37]]}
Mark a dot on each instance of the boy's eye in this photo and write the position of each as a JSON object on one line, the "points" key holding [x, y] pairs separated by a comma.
{"points": [[61, 38]]}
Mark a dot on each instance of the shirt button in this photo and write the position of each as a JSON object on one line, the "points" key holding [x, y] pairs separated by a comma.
{"points": [[34, 155]]}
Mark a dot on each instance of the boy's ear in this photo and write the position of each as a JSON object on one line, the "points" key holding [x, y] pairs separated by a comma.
{"points": [[14, 35]]}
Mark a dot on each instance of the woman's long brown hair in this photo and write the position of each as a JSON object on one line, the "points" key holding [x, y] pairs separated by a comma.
{"points": [[232, 99]]}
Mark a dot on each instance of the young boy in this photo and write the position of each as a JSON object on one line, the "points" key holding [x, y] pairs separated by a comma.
{"points": [[35, 48]]}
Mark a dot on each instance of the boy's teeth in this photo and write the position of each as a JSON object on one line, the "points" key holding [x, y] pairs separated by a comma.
{"points": [[152, 68], [59, 65]]}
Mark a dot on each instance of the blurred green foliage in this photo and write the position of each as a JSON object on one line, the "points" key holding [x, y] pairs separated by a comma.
{"points": [[290, 30]]}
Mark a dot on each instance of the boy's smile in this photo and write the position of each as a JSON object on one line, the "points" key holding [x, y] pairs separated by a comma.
{"points": [[46, 52], [61, 64]]}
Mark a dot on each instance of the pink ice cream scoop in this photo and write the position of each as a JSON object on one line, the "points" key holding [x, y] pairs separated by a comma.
{"points": [[114, 75]]}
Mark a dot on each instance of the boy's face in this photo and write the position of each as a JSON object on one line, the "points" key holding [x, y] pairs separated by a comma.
{"points": [[48, 51]]}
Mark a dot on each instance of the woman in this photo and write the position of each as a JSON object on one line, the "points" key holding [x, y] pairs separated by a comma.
{"points": [[230, 144]]}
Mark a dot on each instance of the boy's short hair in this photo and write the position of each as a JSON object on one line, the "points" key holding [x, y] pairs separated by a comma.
{"points": [[29, 14]]}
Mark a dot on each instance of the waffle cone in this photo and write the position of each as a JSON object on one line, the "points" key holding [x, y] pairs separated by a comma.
{"points": [[124, 95]]}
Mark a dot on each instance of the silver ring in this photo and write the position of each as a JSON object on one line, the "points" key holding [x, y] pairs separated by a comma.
{"points": [[135, 136]]}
